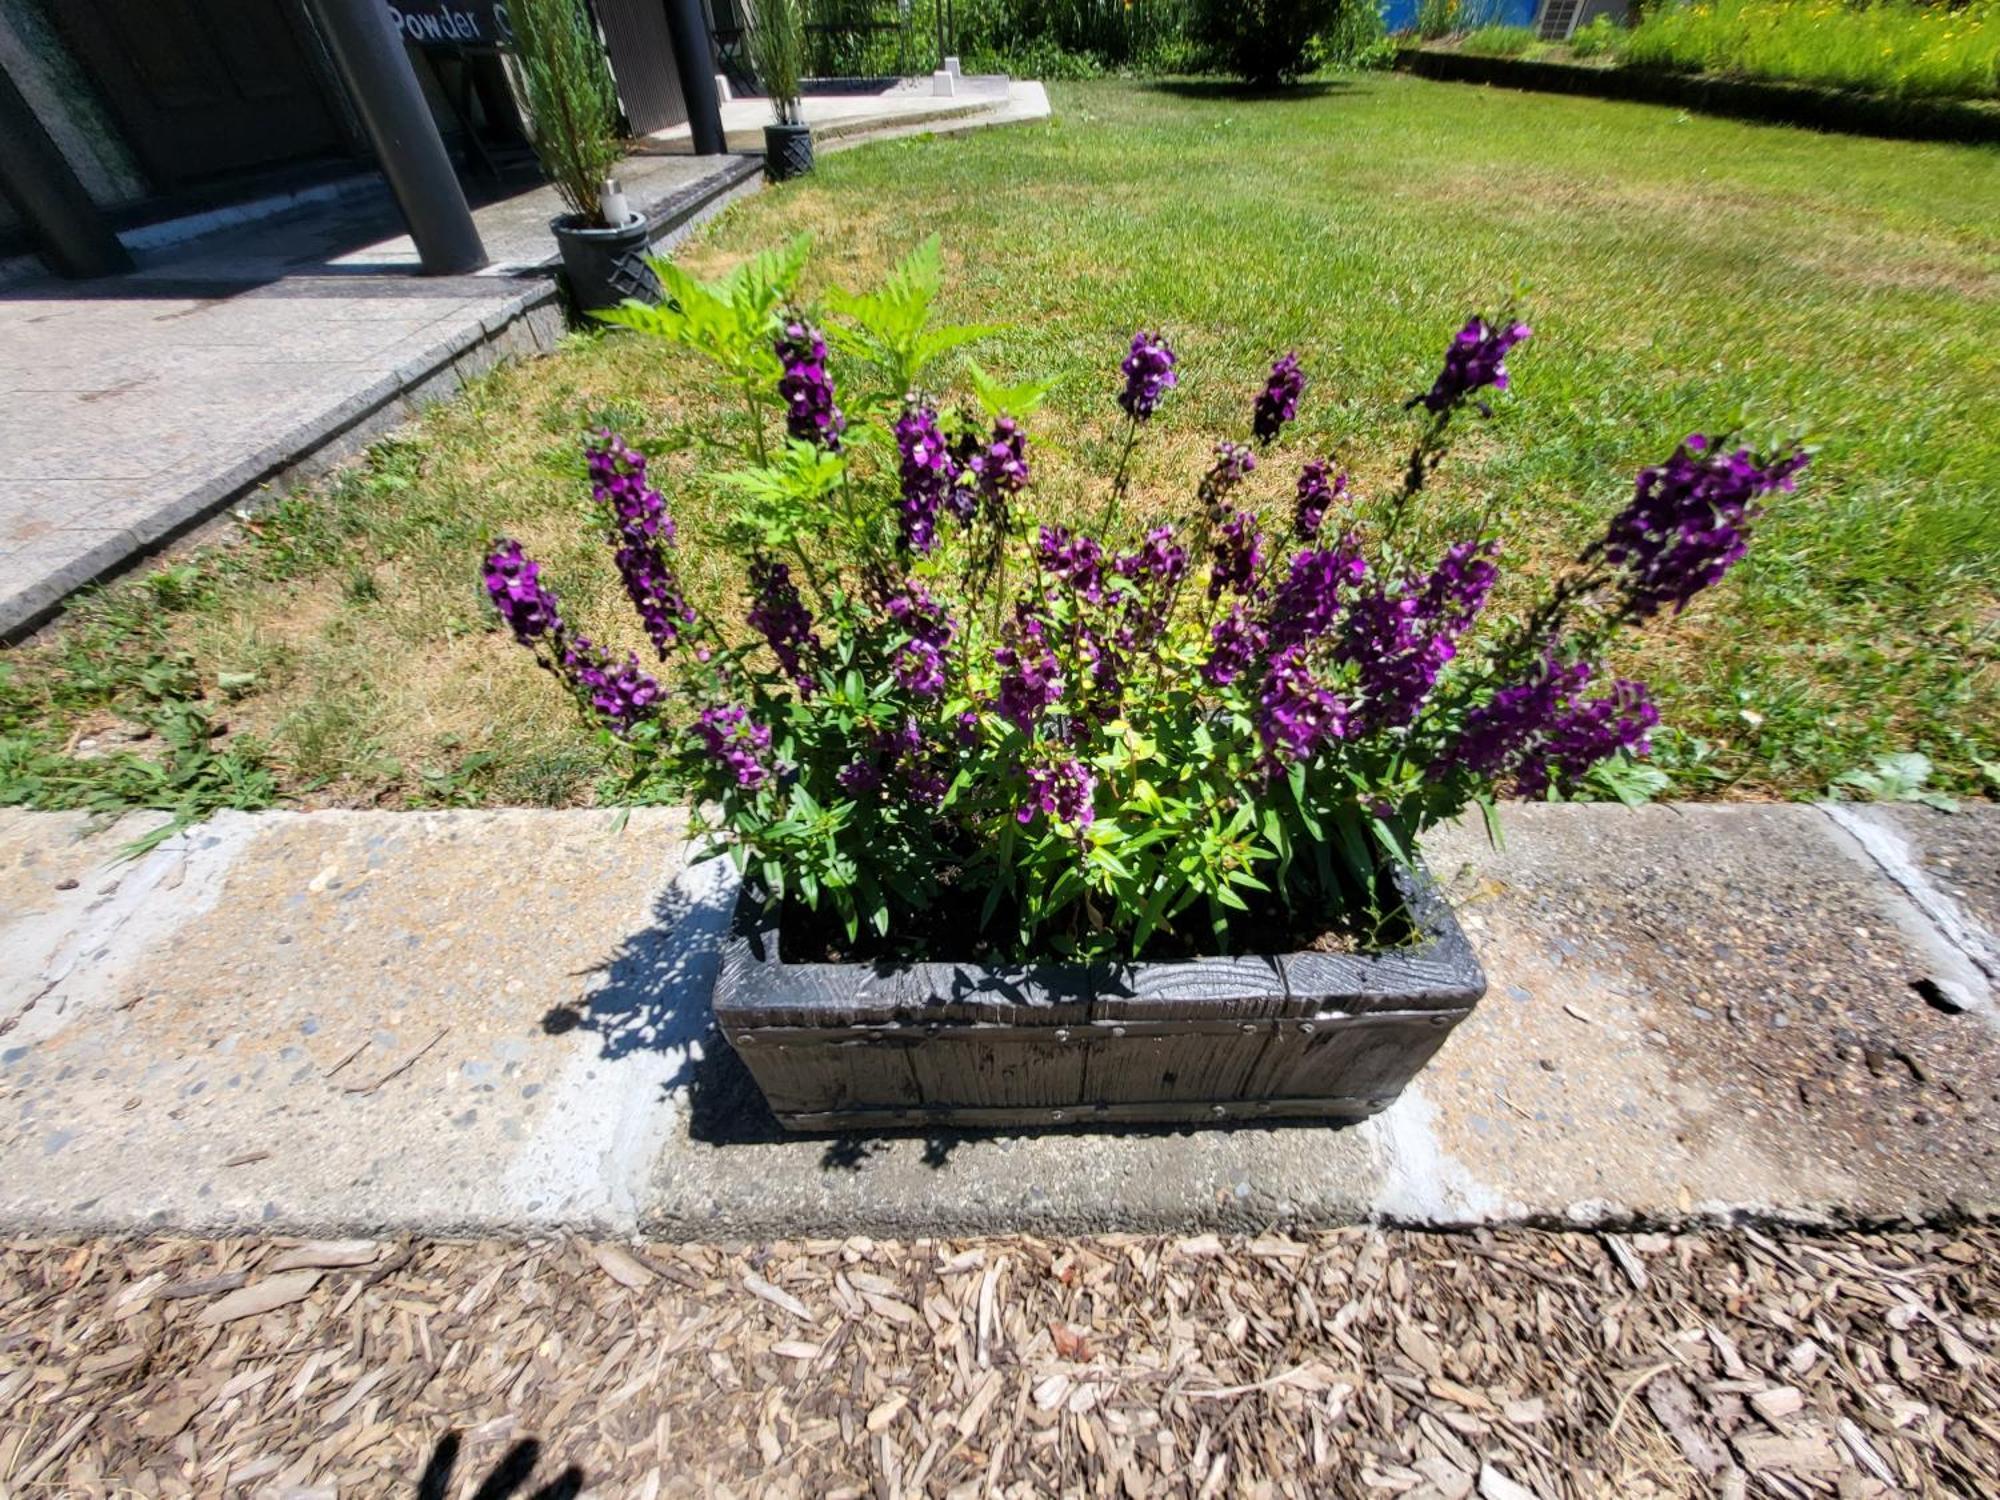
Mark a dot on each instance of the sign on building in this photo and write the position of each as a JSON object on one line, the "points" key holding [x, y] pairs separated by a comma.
{"points": [[453, 23]]}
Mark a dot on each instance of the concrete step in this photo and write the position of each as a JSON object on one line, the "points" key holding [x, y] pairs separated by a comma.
{"points": [[498, 1022]]}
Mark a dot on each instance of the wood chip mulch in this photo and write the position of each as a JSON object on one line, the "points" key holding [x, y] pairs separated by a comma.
{"points": [[1356, 1362]]}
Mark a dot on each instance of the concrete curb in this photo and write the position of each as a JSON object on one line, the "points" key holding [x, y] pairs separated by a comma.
{"points": [[498, 1023]]}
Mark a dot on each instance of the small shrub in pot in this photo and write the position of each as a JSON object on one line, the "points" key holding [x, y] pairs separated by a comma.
{"points": [[777, 47], [573, 123]]}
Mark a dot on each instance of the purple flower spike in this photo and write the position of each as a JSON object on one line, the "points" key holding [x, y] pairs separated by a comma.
{"points": [[514, 584], [1401, 636], [1278, 403], [1149, 375], [780, 616], [1236, 644], [1308, 601], [1062, 793], [1238, 553], [643, 533], [1476, 359], [928, 475], [1073, 559], [1002, 463], [1295, 714], [1689, 521], [739, 742], [621, 694], [1030, 676], [1316, 498], [618, 483], [806, 388], [1541, 731]]}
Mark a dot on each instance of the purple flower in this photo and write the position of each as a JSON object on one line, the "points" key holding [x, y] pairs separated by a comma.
{"points": [[655, 592], [859, 777], [928, 475], [780, 616], [514, 584], [1278, 402], [1030, 676], [738, 742], [1149, 375], [1073, 559], [1476, 359], [1316, 498], [1295, 714], [1541, 731], [1238, 551], [1401, 636], [1001, 465], [1062, 793], [919, 669], [920, 662], [806, 388], [1233, 463], [1689, 521], [1236, 644], [618, 483], [1153, 570], [961, 497], [620, 693], [1308, 601], [642, 531]]}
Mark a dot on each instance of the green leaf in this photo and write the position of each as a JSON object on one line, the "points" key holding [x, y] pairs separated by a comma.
{"points": [[1000, 400]]}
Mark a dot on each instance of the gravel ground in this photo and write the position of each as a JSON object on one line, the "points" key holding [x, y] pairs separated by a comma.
{"points": [[1358, 1362]]}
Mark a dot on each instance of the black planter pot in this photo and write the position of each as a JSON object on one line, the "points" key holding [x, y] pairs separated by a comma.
{"points": [[1329, 1036], [788, 151], [605, 266]]}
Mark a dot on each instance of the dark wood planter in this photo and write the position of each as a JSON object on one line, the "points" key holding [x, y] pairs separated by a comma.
{"points": [[1297, 1035]]}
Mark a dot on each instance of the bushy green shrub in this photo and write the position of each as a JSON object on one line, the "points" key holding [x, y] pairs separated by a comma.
{"points": [[572, 106], [1357, 38], [1499, 41], [1043, 58], [1888, 48], [1599, 37], [1263, 41]]}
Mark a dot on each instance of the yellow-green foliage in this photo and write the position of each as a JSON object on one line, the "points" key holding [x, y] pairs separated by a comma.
{"points": [[1887, 48]]}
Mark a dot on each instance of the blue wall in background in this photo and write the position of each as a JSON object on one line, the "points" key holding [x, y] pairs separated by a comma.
{"points": [[1401, 15]]}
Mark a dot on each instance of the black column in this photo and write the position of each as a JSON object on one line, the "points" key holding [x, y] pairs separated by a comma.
{"points": [[69, 231], [371, 58], [694, 54]]}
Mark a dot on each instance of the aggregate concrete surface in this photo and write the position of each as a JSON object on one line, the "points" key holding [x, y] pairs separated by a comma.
{"points": [[499, 1022]]}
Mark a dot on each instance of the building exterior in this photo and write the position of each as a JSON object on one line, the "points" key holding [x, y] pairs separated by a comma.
{"points": [[158, 108]]}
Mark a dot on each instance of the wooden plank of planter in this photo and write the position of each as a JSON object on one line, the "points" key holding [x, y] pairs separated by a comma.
{"points": [[1370, 1056]]}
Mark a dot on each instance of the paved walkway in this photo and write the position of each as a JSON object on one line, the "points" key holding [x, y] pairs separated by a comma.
{"points": [[498, 1022], [134, 407], [1432, 1367]]}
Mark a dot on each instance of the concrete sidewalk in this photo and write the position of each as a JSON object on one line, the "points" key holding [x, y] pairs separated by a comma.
{"points": [[134, 407], [498, 1021]]}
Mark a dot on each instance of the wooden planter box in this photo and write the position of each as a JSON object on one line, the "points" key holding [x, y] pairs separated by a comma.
{"points": [[1297, 1035]]}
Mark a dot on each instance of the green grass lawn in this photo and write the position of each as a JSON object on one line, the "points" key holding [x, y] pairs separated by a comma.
{"points": [[1678, 271]]}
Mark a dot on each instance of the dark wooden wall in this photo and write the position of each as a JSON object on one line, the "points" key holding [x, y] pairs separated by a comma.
{"points": [[649, 85]]}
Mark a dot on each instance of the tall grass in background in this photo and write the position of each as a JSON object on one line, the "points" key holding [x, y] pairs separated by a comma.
{"points": [[1893, 47]]}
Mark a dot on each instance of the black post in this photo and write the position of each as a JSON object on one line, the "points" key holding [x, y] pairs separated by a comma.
{"points": [[391, 104], [69, 231], [694, 54]]}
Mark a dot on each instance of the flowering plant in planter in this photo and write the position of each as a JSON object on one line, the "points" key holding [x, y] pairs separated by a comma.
{"points": [[1089, 736]]}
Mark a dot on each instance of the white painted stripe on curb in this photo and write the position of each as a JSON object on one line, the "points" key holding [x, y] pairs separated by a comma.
{"points": [[1968, 957]]}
